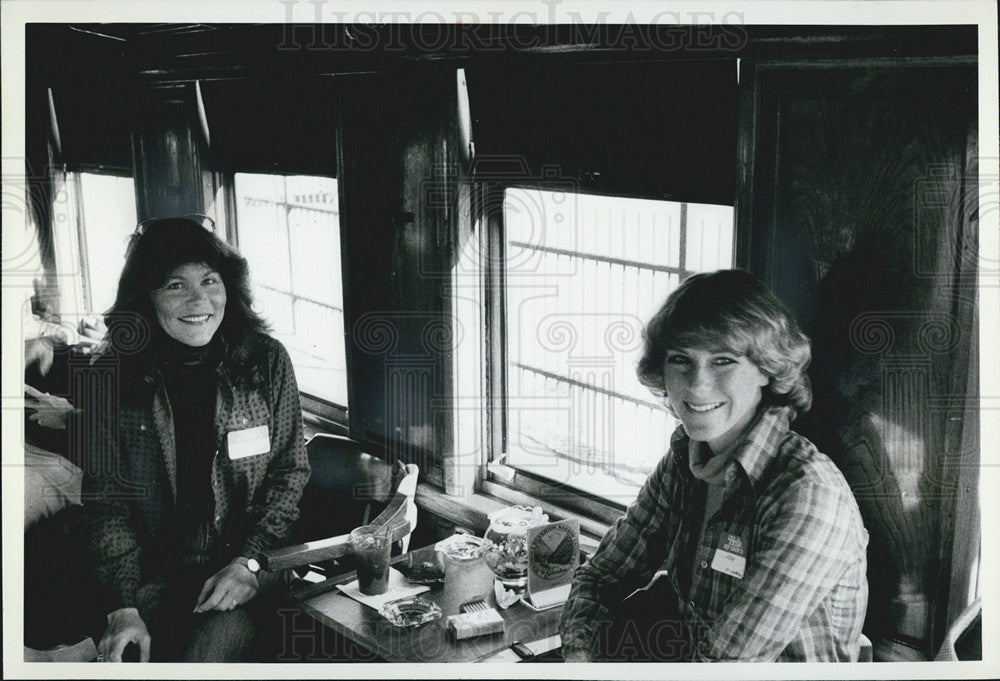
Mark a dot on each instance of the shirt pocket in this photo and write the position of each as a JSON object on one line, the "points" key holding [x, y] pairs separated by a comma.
{"points": [[718, 585]]}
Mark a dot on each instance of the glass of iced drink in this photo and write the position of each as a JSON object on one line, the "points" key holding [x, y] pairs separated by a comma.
{"points": [[371, 547]]}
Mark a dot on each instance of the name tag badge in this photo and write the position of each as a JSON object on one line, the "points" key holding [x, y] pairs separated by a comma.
{"points": [[730, 558], [249, 442]]}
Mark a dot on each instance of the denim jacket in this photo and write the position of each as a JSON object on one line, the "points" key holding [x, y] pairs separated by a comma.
{"points": [[259, 468]]}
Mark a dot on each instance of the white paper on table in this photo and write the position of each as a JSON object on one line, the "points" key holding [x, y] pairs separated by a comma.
{"points": [[549, 598], [544, 645], [399, 587], [505, 598], [506, 656]]}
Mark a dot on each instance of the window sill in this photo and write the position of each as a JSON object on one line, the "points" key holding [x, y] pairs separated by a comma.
{"points": [[471, 512], [313, 424], [323, 416], [502, 480], [564, 474]]}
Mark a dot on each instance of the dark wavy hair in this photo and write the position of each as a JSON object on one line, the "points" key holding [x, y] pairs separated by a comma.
{"points": [[731, 310], [162, 246]]}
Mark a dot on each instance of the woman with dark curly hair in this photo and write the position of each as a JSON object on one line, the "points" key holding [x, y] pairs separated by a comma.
{"points": [[757, 533], [196, 466]]}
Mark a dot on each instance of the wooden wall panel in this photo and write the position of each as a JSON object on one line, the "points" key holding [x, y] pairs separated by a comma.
{"points": [[857, 216], [400, 171], [169, 147]]}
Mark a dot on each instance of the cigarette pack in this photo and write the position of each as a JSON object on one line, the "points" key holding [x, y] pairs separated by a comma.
{"points": [[470, 624]]}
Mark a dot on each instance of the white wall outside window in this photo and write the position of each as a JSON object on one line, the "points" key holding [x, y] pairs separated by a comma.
{"points": [[583, 274], [94, 219], [288, 229]]}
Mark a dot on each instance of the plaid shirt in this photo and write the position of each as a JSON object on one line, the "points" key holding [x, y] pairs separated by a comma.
{"points": [[130, 482], [788, 510]]}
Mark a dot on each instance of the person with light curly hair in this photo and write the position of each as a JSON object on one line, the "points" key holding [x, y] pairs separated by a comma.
{"points": [[745, 543]]}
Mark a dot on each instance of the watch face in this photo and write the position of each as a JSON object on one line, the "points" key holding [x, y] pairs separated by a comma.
{"points": [[552, 552], [253, 565]]}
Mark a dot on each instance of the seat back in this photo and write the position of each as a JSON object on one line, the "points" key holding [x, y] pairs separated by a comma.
{"points": [[347, 487]]}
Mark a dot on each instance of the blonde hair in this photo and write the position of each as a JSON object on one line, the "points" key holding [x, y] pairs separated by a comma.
{"points": [[731, 310]]}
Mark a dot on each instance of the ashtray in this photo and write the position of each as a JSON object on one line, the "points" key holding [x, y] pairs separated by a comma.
{"points": [[411, 611]]}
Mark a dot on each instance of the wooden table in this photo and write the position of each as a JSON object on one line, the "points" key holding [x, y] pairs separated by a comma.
{"points": [[430, 642]]}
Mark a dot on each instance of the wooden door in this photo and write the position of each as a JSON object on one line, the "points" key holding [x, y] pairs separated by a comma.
{"points": [[857, 206]]}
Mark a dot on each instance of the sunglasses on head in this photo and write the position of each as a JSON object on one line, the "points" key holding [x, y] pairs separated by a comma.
{"points": [[205, 221]]}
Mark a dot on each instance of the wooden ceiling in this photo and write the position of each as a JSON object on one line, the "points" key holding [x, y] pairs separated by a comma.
{"points": [[172, 52]]}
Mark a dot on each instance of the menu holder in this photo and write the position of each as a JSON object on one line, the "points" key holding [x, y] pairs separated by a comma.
{"points": [[553, 555]]}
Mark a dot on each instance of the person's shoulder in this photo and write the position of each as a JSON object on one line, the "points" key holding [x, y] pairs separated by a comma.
{"points": [[810, 489], [260, 359], [259, 345], [803, 466]]}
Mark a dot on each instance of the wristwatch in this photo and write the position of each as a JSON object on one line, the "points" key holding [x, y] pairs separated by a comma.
{"points": [[250, 564]]}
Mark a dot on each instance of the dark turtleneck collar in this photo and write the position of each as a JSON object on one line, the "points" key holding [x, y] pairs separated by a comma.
{"points": [[173, 353], [235, 359]]}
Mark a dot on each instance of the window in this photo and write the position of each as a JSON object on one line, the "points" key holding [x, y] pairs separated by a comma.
{"points": [[583, 273], [288, 229], [93, 226]]}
